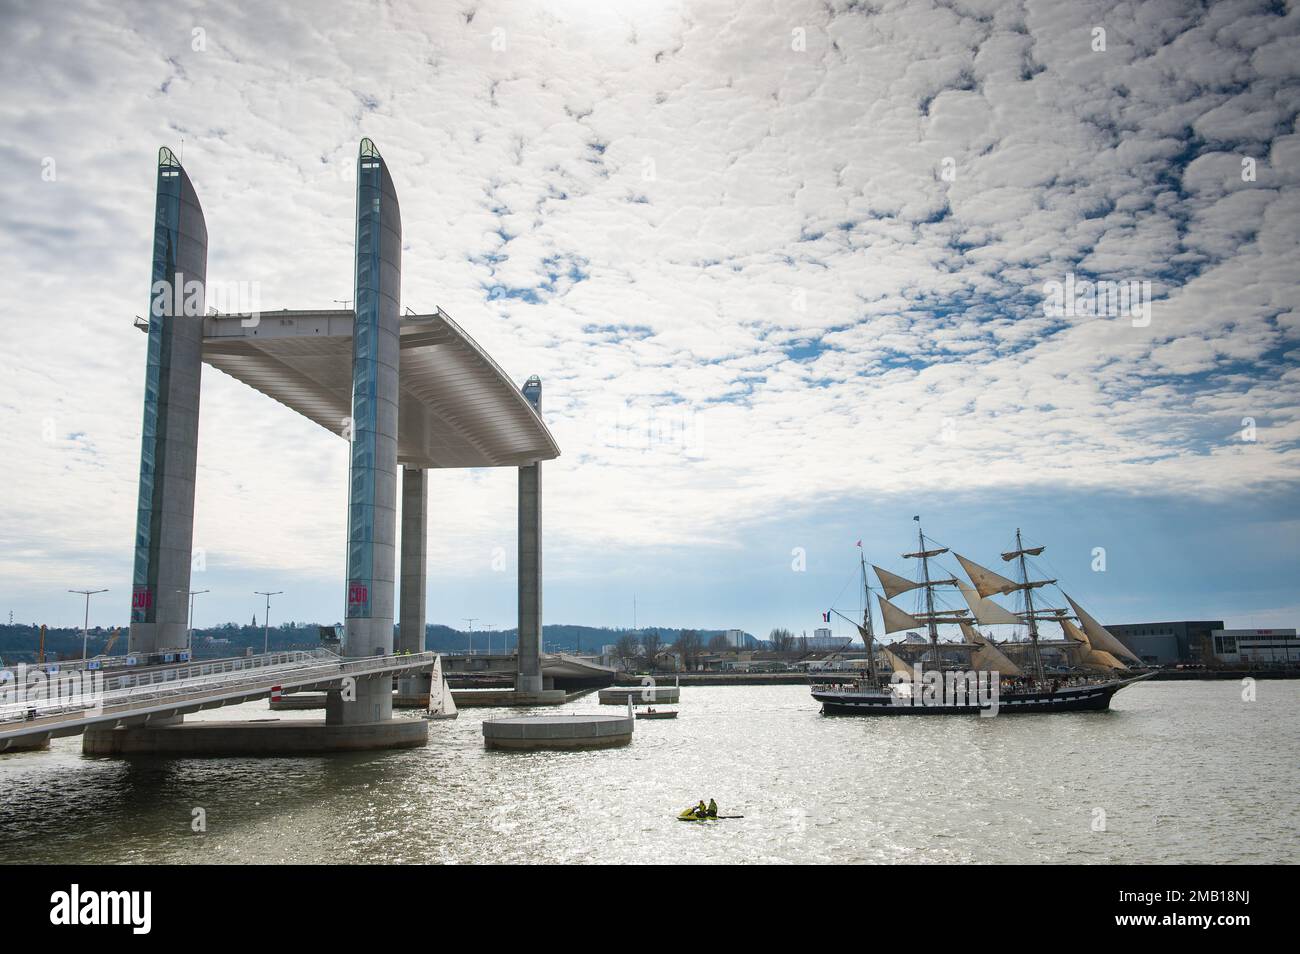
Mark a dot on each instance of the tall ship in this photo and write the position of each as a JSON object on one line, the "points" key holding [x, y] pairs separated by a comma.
{"points": [[946, 664]]}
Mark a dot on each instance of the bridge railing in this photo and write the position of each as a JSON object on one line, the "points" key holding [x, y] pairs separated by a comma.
{"points": [[212, 679], [264, 661]]}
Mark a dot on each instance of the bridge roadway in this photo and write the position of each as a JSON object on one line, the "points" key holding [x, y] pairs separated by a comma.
{"points": [[557, 668], [154, 693]]}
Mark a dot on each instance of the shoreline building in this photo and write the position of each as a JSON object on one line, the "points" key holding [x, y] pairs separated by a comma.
{"points": [[1257, 647], [1165, 644]]}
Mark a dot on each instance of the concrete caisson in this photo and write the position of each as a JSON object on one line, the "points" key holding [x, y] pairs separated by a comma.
{"points": [[530, 733]]}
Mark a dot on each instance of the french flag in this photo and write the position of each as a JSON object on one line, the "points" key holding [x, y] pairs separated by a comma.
{"points": [[826, 617]]}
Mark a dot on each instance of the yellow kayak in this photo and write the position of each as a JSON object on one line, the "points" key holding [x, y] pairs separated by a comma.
{"points": [[690, 816]]}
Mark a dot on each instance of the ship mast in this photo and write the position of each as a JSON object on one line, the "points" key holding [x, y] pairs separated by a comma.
{"points": [[868, 634], [1029, 610], [929, 597]]}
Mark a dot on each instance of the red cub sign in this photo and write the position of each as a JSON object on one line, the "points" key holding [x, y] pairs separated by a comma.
{"points": [[141, 603], [358, 594]]}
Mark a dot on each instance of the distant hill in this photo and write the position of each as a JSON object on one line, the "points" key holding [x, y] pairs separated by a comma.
{"points": [[18, 644], [556, 637]]}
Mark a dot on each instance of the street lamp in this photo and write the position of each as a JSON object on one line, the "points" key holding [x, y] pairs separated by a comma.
{"points": [[266, 618], [189, 640], [85, 628], [470, 620]]}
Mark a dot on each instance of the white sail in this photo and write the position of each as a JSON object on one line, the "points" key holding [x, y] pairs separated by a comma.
{"points": [[441, 701], [435, 686], [988, 656], [448, 700], [986, 581], [892, 583], [896, 619], [986, 611], [1100, 637]]}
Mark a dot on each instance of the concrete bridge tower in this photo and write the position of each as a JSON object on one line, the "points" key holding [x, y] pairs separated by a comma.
{"points": [[169, 447], [372, 494]]}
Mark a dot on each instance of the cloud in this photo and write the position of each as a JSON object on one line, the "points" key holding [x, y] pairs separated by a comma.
{"points": [[737, 265]]}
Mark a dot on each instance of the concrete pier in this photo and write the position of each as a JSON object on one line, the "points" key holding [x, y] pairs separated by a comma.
{"points": [[34, 743], [530, 733], [528, 671], [270, 737], [640, 695]]}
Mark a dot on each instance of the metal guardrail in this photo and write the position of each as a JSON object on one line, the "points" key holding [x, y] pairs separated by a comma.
{"points": [[211, 680]]}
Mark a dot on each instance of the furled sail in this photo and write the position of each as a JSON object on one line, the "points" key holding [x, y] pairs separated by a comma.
{"points": [[986, 581], [896, 619], [986, 611], [1100, 637], [988, 656], [925, 553], [1030, 551], [892, 583]]}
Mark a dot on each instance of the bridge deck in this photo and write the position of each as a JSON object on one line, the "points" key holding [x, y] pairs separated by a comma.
{"points": [[136, 697]]}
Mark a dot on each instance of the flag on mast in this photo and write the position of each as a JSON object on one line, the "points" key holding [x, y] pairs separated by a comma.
{"points": [[826, 617]]}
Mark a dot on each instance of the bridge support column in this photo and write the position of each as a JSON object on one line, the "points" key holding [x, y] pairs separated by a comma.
{"points": [[528, 667], [413, 690], [169, 442], [372, 476]]}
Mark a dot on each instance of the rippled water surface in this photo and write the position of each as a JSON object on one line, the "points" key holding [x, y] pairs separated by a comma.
{"points": [[1184, 772]]}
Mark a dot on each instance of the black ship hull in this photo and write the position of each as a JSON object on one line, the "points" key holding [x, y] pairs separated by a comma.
{"points": [[858, 702]]}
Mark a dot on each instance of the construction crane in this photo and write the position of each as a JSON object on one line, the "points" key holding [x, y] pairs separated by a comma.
{"points": [[111, 640]]}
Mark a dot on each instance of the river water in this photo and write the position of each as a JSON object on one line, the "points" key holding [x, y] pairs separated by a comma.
{"points": [[1175, 772]]}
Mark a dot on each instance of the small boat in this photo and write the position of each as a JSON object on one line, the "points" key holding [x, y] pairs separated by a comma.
{"points": [[441, 703], [657, 714], [690, 816]]}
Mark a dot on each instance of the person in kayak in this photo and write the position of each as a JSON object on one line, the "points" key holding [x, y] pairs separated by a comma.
{"points": [[712, 810]]}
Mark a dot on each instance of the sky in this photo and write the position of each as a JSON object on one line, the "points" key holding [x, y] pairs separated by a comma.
{"points": [[791, 274]]}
